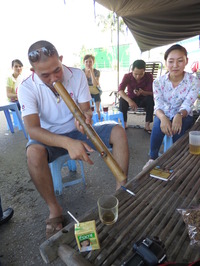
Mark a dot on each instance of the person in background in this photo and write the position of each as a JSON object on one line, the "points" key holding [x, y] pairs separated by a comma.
{"points": [[93, 75], [140, 94], [174, 96], [13, 81], [52, 127]]}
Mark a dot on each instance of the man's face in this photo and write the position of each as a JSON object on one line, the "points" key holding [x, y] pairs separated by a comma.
{"points": [[138, 73], [50, 70]]}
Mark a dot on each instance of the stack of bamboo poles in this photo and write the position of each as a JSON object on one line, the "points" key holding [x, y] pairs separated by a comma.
{"points": [[153, 212]]}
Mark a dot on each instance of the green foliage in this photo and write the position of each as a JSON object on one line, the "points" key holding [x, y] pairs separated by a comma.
{"points": [[110, 23]]}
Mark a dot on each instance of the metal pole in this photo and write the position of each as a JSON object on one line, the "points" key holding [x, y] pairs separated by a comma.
{"points": [[117, 52]]}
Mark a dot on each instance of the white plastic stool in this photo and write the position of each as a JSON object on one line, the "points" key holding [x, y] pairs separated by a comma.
{"points": [[56, 167]]}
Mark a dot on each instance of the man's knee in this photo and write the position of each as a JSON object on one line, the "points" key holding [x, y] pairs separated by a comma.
{"points": [[118, 134], [36, 155]]}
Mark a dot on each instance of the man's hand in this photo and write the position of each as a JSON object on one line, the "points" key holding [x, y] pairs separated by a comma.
{"points": [[132, 104], [177, 124], [78, 149], [88, 120], [139, 92]]}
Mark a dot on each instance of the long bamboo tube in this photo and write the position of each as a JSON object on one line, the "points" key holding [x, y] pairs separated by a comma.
{"points": [[90, 132]]}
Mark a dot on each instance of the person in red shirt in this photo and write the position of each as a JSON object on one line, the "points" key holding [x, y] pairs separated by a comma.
{"points": [[139, 92]]}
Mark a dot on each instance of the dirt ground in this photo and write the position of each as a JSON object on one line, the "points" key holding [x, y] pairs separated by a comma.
{"points": [[21, 237]]}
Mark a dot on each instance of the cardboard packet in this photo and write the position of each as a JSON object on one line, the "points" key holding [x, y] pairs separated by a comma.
{"points": [[86, 236]]}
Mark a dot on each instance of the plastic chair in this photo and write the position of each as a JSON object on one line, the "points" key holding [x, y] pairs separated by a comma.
{"points": [[56, 168], [6, 107], [113, 115], [15, 119], [168, 142], [95, 117], [155, 68]]}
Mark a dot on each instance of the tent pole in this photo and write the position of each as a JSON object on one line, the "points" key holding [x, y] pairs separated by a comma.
{"points": [[117, 52]]}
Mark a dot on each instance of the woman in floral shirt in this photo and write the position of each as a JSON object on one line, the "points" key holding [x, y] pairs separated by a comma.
{"points": [[174, 96]]}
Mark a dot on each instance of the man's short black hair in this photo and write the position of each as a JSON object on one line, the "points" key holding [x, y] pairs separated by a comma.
{"points": [[140, 64]]}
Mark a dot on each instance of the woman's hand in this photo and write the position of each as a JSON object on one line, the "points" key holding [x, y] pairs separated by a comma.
{"points": [[177, 124], [166, 126]]}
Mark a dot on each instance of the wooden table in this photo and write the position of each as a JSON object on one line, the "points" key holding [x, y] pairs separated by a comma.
{"points": [[153, 212], [6, 107]]}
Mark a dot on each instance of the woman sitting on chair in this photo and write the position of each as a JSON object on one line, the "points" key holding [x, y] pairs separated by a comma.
{"points": [[92, 76], [174, 96]]}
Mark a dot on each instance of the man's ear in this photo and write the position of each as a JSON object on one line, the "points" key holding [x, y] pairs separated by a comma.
{"points": [[32, 69], [60, 58]]}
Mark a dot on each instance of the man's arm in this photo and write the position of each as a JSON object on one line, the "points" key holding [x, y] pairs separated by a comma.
{"points": [[76, 149], [148, 90], [122, 94]]}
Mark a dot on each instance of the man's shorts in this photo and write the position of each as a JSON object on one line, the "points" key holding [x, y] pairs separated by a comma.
{"points": [[103, 129]]}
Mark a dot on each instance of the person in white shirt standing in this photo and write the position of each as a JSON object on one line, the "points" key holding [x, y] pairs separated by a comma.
{"points": [[52, 128]]}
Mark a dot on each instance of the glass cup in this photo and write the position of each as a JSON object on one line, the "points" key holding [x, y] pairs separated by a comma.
{"points": [[108, 209], [105, 109], [194, 142]]}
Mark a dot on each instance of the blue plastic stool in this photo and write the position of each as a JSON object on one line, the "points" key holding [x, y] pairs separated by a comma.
{"points": [[168, 142], [15, 120], [56, 167], [113, 115], [95, 117]]}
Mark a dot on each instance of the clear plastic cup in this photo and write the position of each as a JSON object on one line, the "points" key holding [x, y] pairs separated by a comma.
{"points": [[194, 142]]}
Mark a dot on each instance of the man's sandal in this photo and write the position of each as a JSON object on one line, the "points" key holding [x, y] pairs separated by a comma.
{"points": [[54, 225]]}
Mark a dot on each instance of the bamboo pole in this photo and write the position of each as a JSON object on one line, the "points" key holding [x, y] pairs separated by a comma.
{"points": [[90, 132]]}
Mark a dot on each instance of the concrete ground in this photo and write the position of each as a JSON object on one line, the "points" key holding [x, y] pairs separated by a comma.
{"points": [[21, 237]]}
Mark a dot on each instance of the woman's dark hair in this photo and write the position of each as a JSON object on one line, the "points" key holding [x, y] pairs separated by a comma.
{"points": [[17, 61], [88, 56], [140, 64], [175, 47]]}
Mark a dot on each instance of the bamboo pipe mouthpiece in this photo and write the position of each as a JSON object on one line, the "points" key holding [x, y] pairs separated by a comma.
{"points": [[90, 132]]}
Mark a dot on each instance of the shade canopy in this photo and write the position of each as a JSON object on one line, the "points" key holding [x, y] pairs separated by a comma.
{"points": [[155, 23]]}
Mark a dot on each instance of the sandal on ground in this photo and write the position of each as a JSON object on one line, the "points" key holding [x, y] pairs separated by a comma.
{"points": [[54, 225], [148, 131], [7, 215]]}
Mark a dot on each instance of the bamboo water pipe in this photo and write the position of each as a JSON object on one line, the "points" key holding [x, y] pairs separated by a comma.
{"points": [[90, 132]]}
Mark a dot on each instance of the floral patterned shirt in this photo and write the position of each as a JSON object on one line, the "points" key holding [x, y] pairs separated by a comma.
{"points": [[172, 100]]}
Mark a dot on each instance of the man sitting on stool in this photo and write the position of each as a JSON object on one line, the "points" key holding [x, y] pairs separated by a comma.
{"points": [[140, 93]]}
